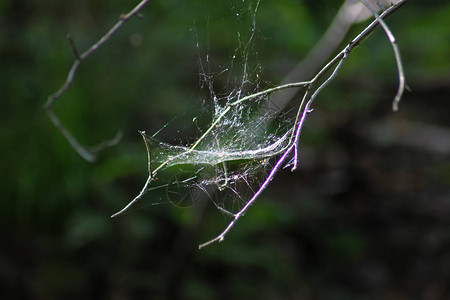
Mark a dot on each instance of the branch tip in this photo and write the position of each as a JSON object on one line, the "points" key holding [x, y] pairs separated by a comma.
{"points": [[74, 48], [116, 214]]}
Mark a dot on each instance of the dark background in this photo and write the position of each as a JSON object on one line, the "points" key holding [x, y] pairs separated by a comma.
{"points": [[365, 217]]}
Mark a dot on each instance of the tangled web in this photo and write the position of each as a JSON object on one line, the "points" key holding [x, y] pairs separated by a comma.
{"points": [[234, 152], [247, 141]]}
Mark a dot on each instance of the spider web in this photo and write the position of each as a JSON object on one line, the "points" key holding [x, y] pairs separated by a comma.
{"points": [[232, 155], [246, 143]]}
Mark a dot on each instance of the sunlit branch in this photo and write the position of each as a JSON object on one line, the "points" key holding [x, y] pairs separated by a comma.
{"points": [[264, 185], [398, 59], [304, 111], [147, 183], [289, 141], [255, 95], [307, 108]]}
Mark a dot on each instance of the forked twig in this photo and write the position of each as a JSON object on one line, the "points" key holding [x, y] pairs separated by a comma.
{"points": [[351, 12], [149, 178], [304, 110], [193, 147], [87, 154], [293, 147]]}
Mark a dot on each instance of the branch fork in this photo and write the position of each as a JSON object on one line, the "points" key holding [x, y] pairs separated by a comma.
{"points": [[89, 154]]}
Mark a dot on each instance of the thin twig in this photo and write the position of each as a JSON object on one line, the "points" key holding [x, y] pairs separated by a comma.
{"points": [[149, 153], [87, 154], [338, 58], [350, 13], [398, 59], [307, 108], [255, 95], [238, 215], [109, 143], [72, 45]]}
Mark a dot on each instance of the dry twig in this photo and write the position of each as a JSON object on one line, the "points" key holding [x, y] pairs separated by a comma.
{"points": [[398, 59], [87, 154]]}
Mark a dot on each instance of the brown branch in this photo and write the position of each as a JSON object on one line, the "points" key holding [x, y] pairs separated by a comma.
{"points": [[87, 154]]}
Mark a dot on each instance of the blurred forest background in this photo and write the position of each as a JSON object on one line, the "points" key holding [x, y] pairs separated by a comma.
{"points": [[366, 216]]}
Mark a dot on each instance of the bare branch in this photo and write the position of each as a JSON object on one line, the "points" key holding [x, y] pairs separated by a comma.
{"points": [[108, 143], [264, 185], [350, 13], [87, 154], [398, 59], [147, 183], [304, 111], [291, 138], [149, 153]]}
